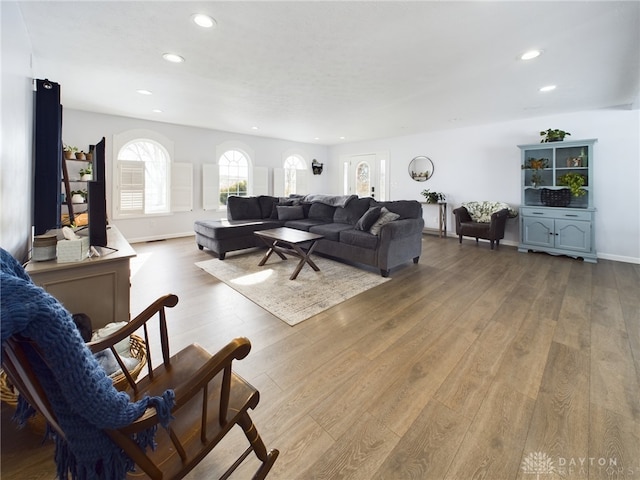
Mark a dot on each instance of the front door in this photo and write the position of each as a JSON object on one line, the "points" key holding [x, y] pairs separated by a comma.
{"points": [[363, 175]]}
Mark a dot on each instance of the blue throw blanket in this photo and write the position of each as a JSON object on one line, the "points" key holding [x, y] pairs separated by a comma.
{"points": [[80, 393]]}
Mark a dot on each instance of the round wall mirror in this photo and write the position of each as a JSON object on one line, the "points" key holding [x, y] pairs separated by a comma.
{"points": [[421, 168]]}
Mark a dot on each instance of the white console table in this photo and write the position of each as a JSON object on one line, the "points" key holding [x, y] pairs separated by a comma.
{"points": [[97, 286]]}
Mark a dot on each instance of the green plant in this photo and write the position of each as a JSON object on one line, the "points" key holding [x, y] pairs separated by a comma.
{"points": [[553, 135], [575, 182], [433, 197], [69, 148], [86, 171], [84, 193]]}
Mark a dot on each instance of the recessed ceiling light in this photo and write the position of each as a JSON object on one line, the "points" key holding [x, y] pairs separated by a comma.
{"points": [[530, 54], [548, 88], [172, 57], [316, 138], [156, 110], [204, 21], [144, 92], [255, 128], [341, 138]]}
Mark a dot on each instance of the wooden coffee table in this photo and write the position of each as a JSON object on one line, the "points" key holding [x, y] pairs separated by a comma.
{"points": [[289, 241]]}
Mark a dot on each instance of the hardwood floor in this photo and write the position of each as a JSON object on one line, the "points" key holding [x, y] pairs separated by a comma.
{"points": [[472, 364]]}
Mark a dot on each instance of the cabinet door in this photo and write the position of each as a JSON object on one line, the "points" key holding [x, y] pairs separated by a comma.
{"points": [[573, 235], [537, 231]]}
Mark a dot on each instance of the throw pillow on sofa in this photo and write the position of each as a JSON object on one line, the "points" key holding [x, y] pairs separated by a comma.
{"points": [[294, 212], [368, 219], [385, 217]]}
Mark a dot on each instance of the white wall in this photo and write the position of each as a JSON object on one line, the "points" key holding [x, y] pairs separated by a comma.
{"points": [[192, 145], [16, 164], [483, 163]]}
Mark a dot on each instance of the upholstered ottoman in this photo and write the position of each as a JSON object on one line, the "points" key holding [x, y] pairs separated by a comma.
{"points": [[222, 236]]}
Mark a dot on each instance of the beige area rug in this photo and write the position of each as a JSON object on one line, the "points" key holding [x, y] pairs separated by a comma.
{"points": [[291, 300]]}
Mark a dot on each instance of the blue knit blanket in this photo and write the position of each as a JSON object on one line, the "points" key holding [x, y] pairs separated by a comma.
{"points": [[80, 392]]}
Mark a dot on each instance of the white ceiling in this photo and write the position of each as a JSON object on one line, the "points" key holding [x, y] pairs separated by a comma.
{"points": [[317, 71]]}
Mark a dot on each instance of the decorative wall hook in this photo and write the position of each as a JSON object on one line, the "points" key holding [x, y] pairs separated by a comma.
{"points": [[316, 166]]}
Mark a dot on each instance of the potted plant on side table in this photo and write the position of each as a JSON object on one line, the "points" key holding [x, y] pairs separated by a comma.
{"points": [[433, 197]]}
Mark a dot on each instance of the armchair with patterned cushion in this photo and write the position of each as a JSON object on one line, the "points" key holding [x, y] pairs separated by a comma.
{"points": [[486, 220]]}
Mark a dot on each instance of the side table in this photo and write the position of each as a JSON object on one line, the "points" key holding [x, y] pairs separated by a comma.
{"points": [[442, 218]]}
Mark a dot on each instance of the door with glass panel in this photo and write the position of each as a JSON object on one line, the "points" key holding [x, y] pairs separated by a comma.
{"points": [[363, 175]]}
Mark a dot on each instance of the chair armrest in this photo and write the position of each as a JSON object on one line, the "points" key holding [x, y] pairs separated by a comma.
{"points": [[498, 222], [462, 215], [109, 341]]}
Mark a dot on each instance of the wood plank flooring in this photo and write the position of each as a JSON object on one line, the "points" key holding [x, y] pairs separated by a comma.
{"points": [[472, 364]]}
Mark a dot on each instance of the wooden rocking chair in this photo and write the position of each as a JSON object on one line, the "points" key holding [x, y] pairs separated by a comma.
{"points": [[209, 399]]}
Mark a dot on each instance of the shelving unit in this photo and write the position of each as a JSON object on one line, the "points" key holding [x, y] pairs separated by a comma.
{"points": [[547, 224], [70, 179]]}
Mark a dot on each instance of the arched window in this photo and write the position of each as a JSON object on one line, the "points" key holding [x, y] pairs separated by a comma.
{"points": [[292, 164], [233, 174], [143, 178]]}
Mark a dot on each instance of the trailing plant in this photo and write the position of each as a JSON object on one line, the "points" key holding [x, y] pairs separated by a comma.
{"points": [[433, 197], [553, 135], [575, 182], [536, 164]]}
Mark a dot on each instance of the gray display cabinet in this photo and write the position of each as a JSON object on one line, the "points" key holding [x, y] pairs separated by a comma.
{"points": [[550, 220]]}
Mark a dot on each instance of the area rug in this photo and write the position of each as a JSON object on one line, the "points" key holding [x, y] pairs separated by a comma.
{"points": [[292, 301]]}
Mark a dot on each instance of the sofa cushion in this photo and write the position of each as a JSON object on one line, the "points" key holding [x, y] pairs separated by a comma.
{"points": [[404, 208], [293, 212], [367, 220], [274, 208], [352, 212], [385, 217], [321, 211], [303, 224], [266, 205], [331, 231], [243, 208], [358, 238]]}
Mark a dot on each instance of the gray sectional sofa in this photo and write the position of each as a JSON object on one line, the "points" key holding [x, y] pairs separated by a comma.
{"points": [[354, 229]]}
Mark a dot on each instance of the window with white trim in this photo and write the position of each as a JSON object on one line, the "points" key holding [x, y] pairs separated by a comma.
{"points": [[143, 178], [233, 174], [292, 164]]}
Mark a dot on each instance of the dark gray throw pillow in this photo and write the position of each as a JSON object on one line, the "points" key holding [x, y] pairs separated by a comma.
{"points": [[295, 212], [385, 217], [367, 220]]}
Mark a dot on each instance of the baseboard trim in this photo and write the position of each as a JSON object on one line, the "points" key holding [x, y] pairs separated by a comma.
{"points": [[155, 238]]}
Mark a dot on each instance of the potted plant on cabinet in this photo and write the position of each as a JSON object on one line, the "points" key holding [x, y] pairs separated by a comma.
{"points": [[78, 196], [575, 182], [86, 174], [433, 197], [69, 151], [536, 164], [553, 135]]}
